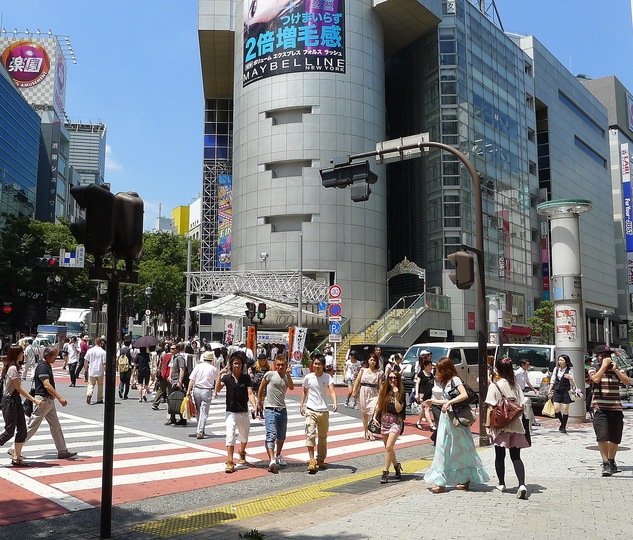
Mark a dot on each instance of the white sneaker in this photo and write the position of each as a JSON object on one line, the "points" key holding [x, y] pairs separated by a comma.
{"points": [[522, 492], [501, 488], [272, 467], [280, 461]]}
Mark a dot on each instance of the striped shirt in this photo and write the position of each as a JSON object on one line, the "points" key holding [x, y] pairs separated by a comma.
{"points": [[606, 393]]}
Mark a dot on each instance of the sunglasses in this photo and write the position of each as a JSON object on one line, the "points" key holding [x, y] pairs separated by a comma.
{"points": [[392, 378]]}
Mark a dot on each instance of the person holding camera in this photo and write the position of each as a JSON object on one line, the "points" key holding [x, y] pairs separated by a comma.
{"points": [[608, 419], [561, 383]]}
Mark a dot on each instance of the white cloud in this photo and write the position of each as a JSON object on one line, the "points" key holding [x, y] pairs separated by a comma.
{"points": [[111, 163]]}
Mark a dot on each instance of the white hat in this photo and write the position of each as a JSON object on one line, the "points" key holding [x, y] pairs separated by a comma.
{"points": [[208, 356], [424, 351]]}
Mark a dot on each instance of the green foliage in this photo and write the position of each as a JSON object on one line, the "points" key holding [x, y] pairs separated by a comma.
{"points": [[542, 323], [253, 533]]}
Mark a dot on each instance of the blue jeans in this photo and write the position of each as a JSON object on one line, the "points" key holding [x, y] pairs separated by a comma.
{"points": [[276, 424]]}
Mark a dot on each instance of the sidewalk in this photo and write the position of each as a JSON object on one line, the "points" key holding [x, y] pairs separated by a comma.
{"points": [[566, 497]]}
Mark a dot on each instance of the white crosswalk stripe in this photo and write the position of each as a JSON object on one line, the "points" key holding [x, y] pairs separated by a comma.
{"points": [[140, 456]]}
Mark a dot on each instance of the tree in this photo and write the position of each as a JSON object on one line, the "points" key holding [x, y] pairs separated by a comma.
{"points": [[162, 266], [34, 293], [542, 323]]}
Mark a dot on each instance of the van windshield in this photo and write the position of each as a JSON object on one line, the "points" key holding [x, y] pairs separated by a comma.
{"points": [[414, 353], [539, 356]]}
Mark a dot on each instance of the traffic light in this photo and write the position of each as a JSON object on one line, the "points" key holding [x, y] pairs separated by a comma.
{"points": [[250, 310], [261, 311], [464, 275], [345, 174], [97, 231], [128, 227], [48, 261]]}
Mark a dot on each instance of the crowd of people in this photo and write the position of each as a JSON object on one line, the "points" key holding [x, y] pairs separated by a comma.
{"points": [[256, 388]]}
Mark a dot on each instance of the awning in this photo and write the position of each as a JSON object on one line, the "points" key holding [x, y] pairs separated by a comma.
{"points": [[234, 305], [518, 330]]}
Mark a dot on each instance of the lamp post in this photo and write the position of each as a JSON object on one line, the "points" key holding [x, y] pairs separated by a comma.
{"points": [[148, 317], [177, 319], [607, 327], [263, 257]]}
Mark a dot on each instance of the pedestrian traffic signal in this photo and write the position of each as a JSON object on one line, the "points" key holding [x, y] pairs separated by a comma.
{"points": [[250, 310], [48, 261], [464, 275], [97, 231], [128, 227], [261, 311]]}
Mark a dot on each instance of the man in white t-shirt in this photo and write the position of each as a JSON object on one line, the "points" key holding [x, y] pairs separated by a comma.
{"points": [[96, 361], [314, 407]]}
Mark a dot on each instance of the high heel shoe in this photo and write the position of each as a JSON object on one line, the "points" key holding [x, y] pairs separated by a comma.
{"points": [[463, 487], [398, 474], [385, 477]]}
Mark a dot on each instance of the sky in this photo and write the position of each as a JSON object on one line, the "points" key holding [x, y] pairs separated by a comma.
{"points": [[138, 72]]}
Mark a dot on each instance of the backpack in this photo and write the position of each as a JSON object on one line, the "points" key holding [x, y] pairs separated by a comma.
{"points": [[504, 411], [124, 363]]}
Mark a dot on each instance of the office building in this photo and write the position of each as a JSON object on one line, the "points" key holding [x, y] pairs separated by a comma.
{"points": [[296, 84]]}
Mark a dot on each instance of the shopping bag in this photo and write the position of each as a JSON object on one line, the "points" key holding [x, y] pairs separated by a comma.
{"points": [[184, 408], [192, 408], [548, 409]]}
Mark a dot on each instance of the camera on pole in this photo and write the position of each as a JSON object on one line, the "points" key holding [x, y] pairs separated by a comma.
{"points": [[464, 275]]}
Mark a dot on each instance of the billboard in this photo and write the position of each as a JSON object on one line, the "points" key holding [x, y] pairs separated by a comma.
{"points": [[293, 36], [38, 68], [627, 216], [225, 220]]}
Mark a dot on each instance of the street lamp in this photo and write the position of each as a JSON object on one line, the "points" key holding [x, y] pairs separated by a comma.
{"points": [[177, 319], [607, 327], [148, 317], [263, 257]]}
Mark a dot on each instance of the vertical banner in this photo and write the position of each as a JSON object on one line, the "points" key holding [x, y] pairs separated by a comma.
{"points": [[291, 36], [229, 332], [627, 210], [225, 220], [298, 343]]}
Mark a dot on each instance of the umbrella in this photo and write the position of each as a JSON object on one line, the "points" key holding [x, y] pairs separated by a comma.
{"points": [[146, 341], [215, 345]]}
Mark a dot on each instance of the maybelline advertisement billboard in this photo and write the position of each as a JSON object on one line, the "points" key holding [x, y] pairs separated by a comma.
{"points": [[291, 36]]}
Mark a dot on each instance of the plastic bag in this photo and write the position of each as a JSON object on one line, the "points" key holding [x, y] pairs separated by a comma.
{"points": [[548, 409], [184, 408]]}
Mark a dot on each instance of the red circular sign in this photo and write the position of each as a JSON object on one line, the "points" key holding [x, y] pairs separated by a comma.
{"points": [[7, 309], [335, 310], [27, 63], [335, 291]]}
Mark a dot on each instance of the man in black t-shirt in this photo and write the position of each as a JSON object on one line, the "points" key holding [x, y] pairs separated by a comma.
{"points": [[239, 392], [45, 390]]}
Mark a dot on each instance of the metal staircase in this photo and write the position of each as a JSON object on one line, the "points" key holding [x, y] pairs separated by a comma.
{"points": [[401, 324]]}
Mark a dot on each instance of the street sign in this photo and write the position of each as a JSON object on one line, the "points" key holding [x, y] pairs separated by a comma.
{"points": [[335, 327], [334, 338], [148, 312], [335, 291], [337, 319], [322, 306], [335, 310], [73, 259]]}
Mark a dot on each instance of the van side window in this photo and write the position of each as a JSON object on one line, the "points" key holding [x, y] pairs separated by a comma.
{"points": [[471, 356], [455, 356]]}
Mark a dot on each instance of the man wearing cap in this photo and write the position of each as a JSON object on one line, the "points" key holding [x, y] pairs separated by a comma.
{"points": [[608, 419], [201, 388]]}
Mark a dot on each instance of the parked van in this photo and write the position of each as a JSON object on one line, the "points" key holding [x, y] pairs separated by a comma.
{"points": [[541, 358], [464, 355]]}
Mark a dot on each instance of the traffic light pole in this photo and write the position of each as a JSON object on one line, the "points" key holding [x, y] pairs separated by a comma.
{"points": [[113, 278], [482, 315]]}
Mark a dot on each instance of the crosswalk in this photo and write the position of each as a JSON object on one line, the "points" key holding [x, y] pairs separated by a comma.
{"points": [[148, 464]]}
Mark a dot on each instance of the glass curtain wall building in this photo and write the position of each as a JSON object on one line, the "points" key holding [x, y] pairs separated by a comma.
{"points": [[466, 86], [19, 151]]}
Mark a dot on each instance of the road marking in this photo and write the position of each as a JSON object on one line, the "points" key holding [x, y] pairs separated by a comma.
{"points": [[206, 519]]}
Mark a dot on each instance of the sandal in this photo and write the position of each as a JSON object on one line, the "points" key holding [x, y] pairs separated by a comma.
{"points": [[438, 489], [463, 487], [19, 462], [371, 437], [418, 425], [366, 437]]}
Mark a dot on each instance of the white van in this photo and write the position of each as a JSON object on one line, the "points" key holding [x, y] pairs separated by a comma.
{"points": [[464, 355]]}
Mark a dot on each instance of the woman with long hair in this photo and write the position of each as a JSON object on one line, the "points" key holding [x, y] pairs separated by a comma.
{"points": [[456, 461], [392, 409], [366, 389], [513, 436], [11, 404], [561, 383]]}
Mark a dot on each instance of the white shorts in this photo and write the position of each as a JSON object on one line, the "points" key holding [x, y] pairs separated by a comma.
{"points": [[238, 426]]}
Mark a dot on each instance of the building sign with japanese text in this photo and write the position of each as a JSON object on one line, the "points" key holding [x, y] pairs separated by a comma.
{"points": [[292, 36]]}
